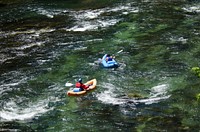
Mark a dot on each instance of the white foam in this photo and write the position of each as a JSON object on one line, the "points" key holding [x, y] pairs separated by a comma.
{"points": [[159, 90], [82, 27], [5, 87], [157, 94], [32, 31], [30, 45], [92, 19], [192, 9], [13, 112], [179, 39], [42, 61], [85, 25], [105, 97], [89, 19], [151, 100], [49, 13], [124, 9], [89, 14], [108, 96]]}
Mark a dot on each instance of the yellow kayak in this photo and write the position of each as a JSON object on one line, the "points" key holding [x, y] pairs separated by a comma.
{"points": [[92, 85]]}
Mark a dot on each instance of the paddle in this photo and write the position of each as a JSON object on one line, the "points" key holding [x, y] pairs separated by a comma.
{"points": [[68, 84], [119, 51], [99, 60]]}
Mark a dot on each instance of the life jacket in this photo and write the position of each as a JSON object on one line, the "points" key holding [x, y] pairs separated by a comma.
{"points": [[109, 59], [80, 85]]}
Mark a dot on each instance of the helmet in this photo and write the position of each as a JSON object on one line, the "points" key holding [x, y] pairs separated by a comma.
{"points": [[80, 80], [108, 55]]}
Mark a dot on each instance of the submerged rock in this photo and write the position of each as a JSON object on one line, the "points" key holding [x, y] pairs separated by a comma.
{"points": [[134, 95]]}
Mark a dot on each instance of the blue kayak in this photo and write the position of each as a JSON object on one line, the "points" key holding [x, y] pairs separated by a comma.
{"points": [[108, 64]]}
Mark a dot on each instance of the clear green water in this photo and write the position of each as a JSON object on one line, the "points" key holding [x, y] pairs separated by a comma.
{"points": [[44, 44]]}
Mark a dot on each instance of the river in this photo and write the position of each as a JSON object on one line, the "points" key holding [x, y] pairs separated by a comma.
{"points": [[44, 44]]}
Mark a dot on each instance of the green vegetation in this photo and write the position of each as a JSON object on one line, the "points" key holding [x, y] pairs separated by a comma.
{"points": [[196, 71], [198, 97]]}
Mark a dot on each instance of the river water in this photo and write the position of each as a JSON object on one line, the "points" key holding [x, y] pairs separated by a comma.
{"points": [[44, 44]]}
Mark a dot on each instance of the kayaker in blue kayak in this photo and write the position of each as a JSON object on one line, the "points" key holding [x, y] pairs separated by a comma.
{"points": [[109, 57], [108, 61], [79, 84]]}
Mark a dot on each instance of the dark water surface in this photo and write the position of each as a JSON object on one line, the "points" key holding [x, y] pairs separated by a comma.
{"points": [[44, 44]]}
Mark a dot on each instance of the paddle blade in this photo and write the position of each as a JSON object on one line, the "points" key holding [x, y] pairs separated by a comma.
{"points": [[119, 51], [68, 84]]}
